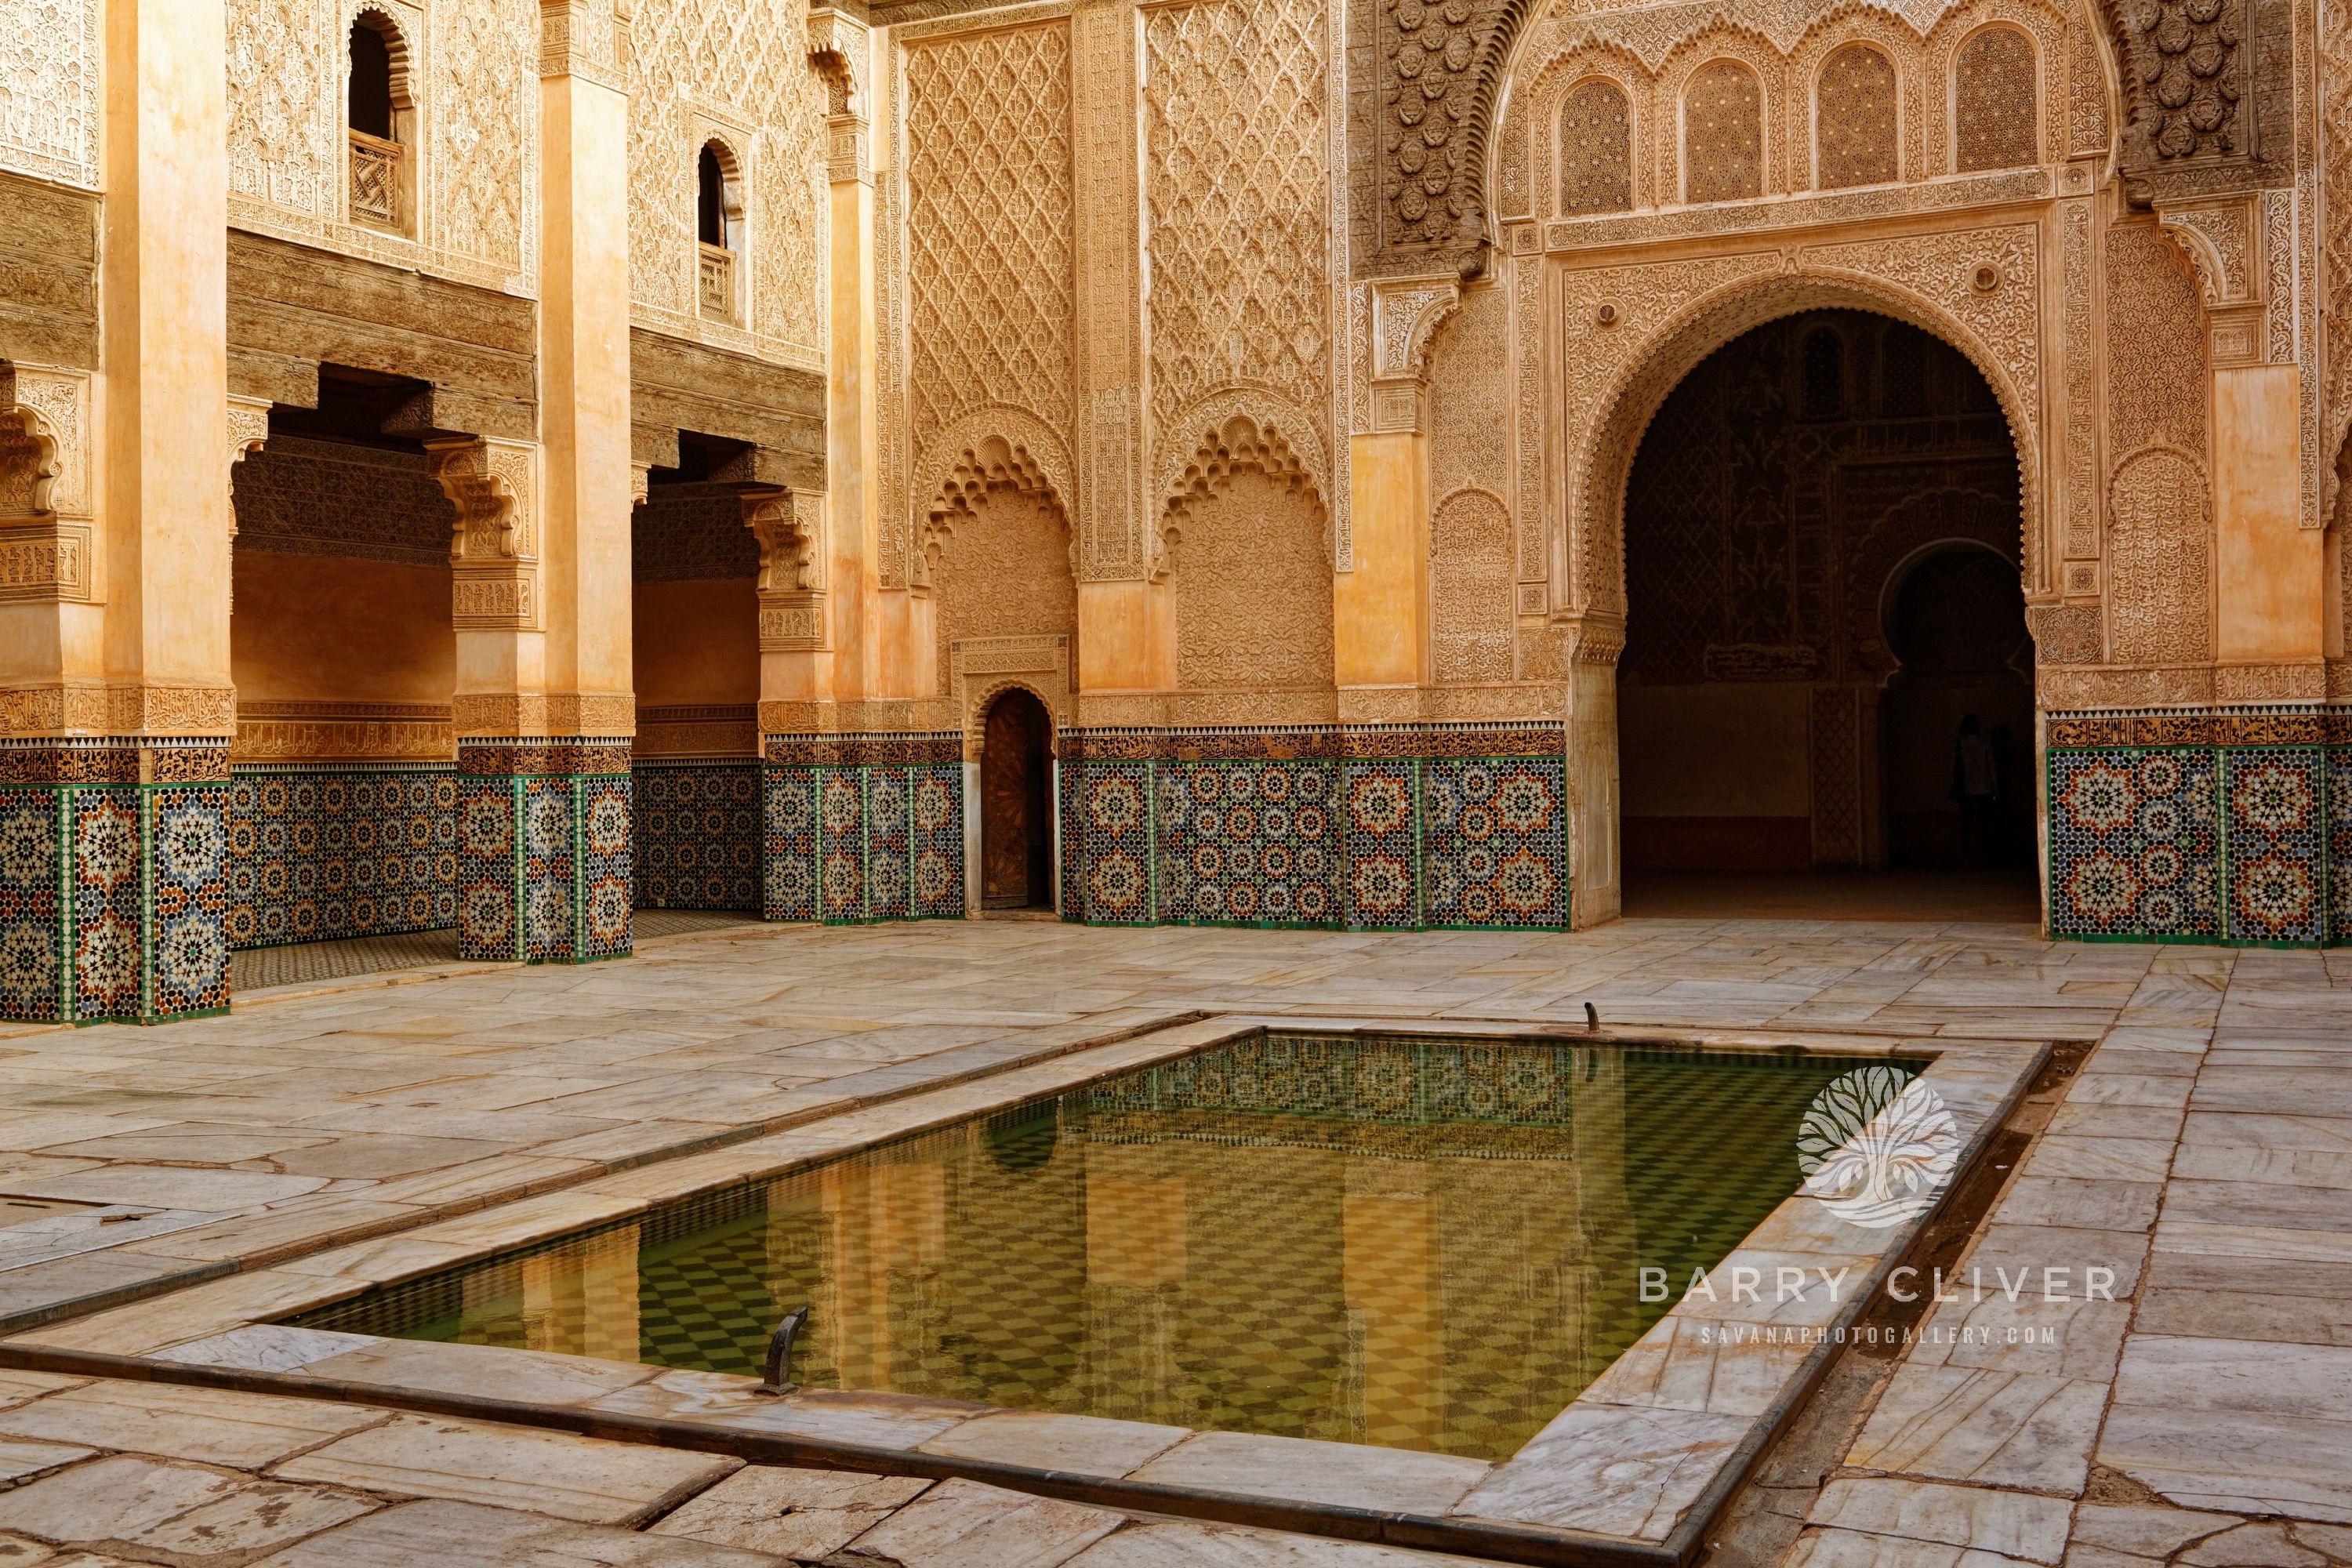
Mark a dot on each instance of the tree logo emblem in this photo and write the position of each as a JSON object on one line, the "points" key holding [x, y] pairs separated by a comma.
{"points": [[1876, 1147]]}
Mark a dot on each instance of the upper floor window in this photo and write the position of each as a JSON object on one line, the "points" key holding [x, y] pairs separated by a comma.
{"points": [[1596, 160], [377, 112], [1723, 133], [1854, 120], [1993, 101], [718, 228]]}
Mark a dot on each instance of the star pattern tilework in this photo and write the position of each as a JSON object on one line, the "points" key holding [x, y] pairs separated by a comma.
{"points": [[2134, 842], [1493, 847], [32, 942], [697, 838], [2273, 803], [189, 921], [320, 855]]}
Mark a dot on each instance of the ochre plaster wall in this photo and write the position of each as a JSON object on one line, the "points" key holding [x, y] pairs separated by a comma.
{"points": [[327, 628], [697, 643]]}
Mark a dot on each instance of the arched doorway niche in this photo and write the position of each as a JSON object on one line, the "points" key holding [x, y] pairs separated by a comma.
{"points": [[1769, 513], [1016, 794]]}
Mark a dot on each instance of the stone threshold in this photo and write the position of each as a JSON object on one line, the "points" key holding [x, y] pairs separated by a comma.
{"points": [[1633, 1471]]}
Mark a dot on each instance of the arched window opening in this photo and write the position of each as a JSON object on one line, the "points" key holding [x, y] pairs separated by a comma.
{"points": [[718, 224], [1596, 160], [1723, 133], [1854, 120], [377, 110], [1824, 371], [1994, 102]]}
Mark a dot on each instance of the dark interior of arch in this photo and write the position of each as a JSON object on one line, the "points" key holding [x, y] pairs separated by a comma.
{"points": [[1822, 538], [371, 89]]}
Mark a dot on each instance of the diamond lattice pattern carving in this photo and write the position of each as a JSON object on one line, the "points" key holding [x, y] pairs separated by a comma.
{"points": [[752, 53], [1854, 119], [1235, 116], [988, 225], [1992, 87], [1723, 133], [1596, 161]]}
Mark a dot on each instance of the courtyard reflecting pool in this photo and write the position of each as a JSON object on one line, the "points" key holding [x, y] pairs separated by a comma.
{"points": [[1416, 1242]]}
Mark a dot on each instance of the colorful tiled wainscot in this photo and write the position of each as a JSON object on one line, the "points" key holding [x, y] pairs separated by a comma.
{"points": [[864, 828], [1403, 827], [544, 864], [2227, 825], [318, 853], [697, 839], [114, 860]]}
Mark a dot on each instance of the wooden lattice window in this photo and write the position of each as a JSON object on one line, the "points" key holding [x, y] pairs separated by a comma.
{"points": [[719, 225], [1723, 133], [1596, 160], [377, 124], [1854, 120], [1994, 102]]}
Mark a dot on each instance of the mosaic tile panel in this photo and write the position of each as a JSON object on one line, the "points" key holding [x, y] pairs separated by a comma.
{"points": [[602, 868], [938, 809], [841, 844], [2339, 844], [548, 885], [325, 854], [489, 881], [1109, 824], [188, 922], [1248, 843], [2274, 862], [107, 917], [1493, 849], [889, 845], [1380, 811], [32, 904], [788, 860], [697, 839], [2135, 843]]}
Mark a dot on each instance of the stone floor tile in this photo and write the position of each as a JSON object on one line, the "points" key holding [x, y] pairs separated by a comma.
{"points": [[20, 1457], [265, 1347], [536, 1376], [1079, 1444], [520, 1467], [1170, 1545], [1351, 1474], [245, 1431], [964, 1524], [2075, 1121], [1858, 1549], [16, 1387], [2258, 1205], [456, 1534], [2013, 1247], [2313, 1381], [1613, 1470], [1686, 1364], [1990, 1427], [2252, 1546], [788, 1511], [125, 1499], [2105, 1159], [161, 1186], [2079, 1204], [2012, 1524], [2139, 1532], [880, 1420], [2294, 1466]]}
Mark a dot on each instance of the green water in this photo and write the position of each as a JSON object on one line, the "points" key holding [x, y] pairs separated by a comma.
{"points": [[1413, 1242]]}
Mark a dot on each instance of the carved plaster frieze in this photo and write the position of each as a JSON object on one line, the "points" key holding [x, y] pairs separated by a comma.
{"points": [[1404, 314], [790, 528], [47, 539], [840, 47], [494, 545], [989, 447], [1228, 432], [582, 38]]}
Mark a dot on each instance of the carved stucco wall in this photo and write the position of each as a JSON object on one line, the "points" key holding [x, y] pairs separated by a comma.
{"points": [[1236, 136], [1003, 571], [473, 71], [739, 73], [48, 89], [1252, 592], [2159, 608]]}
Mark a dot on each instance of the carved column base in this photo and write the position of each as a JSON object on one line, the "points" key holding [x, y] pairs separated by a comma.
{"points": [[114, 880], [543, 858]]}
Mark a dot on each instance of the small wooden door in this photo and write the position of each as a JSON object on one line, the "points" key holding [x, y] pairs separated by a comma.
{"points": [[1016, 829]]}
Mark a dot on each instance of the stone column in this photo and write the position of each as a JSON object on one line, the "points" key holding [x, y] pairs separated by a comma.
{"points": [[1381, 607], [872, 651], [116, 706], [543, 595]]}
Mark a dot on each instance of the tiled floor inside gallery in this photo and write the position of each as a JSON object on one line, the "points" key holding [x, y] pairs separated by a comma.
{"points": [[2204, 1153]]}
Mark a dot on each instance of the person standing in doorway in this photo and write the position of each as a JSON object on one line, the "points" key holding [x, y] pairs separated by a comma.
{"points": [[1976, 785]]}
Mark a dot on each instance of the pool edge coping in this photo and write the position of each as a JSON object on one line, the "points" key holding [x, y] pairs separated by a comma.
{"points": [[2006, 1068]]}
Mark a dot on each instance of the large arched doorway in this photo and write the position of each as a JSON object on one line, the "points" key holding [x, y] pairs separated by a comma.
{"points": [[1016, 839], [1821, 532]]}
